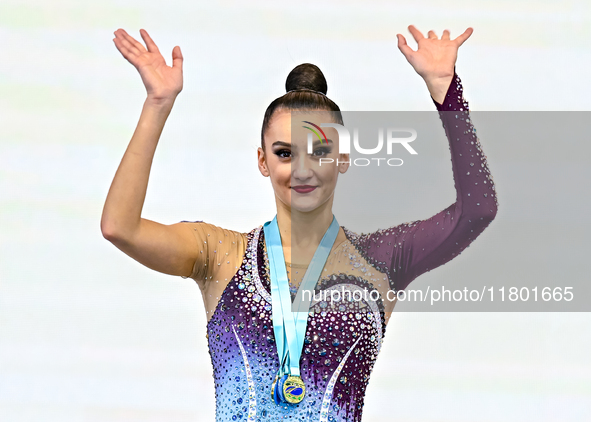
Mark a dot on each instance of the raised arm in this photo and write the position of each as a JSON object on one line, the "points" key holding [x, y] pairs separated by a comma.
{"points": [[406, 251], [427, 244], [171, 249]]}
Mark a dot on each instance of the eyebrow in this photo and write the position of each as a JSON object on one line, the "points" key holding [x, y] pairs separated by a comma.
{"points": [[287, 144]]}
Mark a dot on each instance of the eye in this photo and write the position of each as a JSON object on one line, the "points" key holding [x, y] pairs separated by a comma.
{"points": [[319, 152], [283, 153]]}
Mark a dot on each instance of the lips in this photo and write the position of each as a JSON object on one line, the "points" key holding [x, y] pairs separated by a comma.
{"points": [[304, 188]]}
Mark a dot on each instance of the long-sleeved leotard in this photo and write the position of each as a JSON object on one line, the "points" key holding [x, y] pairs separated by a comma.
{"points": [[342, 344], [408, 250]]}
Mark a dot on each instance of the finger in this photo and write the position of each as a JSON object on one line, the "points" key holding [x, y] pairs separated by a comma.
{"points": [[403, 46], [129, 41], [445, 35], [125, 52], [132, 49], [460, 39], [149, 42], [417, 35], [177, 58], [432, 35], [134, 42], [120, 34], [127, 55]]}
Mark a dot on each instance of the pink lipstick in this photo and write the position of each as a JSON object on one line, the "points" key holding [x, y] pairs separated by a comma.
{"points": [[304, 188]]}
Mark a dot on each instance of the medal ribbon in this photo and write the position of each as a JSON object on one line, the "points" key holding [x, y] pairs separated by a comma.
{"points": [[289, 327]]}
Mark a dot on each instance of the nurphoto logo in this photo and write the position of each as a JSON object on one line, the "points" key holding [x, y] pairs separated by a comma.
{"points": [[345, 143]]}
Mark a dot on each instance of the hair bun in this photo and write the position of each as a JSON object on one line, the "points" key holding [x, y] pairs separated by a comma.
{"points": [[306, 76]]}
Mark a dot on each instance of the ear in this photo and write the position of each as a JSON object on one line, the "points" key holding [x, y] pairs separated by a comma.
{"points": [[262, 162], [344, 162]]}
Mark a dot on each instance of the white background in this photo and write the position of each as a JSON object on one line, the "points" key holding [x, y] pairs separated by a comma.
{"points": [[88, 334]]}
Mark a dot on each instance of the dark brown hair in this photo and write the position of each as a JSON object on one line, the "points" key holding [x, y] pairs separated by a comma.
{"points": [[306, 90]]}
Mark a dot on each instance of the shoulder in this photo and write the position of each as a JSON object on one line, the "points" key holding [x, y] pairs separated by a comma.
{"points": [[216, 246]]}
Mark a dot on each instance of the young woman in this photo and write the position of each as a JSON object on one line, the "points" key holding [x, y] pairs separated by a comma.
{"points": [[268, 362]]}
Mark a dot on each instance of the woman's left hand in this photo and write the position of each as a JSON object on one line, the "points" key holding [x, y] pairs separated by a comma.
{"points": [[435, 58]]}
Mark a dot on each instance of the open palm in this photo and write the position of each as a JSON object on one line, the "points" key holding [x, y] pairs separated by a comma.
{"points": [[435, 58], [162, 82]]}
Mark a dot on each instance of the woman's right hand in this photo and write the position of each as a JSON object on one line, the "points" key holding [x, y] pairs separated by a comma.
{"points": [[163, 83]]}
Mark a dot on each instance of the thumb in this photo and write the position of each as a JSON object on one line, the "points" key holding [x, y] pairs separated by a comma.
{"points": [[177, 58]]}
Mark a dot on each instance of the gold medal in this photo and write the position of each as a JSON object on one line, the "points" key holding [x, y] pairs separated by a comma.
{"points": [[294, 389]]}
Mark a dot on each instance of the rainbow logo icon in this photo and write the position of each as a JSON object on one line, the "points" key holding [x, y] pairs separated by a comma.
{"points": [[316, 131]]}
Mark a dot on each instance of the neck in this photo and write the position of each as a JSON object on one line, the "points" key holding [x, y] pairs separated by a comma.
{"points": [[301, 232]]}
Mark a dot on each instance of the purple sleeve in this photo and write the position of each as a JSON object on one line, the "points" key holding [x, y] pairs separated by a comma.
{"points": [[406, 251]]}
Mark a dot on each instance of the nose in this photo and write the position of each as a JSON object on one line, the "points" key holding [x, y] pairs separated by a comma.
{"points": [[301, 167]]}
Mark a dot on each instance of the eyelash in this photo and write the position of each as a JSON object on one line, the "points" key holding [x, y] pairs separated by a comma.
{"points": [[324, 151], [281, 151]]}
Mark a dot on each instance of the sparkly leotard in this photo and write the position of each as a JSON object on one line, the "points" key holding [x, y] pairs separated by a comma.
{"points": [[340, 347]]}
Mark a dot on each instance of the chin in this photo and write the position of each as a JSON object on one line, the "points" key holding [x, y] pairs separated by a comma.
{"points": [[303, 210], [304, 204]]}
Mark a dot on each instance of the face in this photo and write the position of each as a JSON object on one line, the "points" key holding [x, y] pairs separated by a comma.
{"points": [[301, 181]]}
